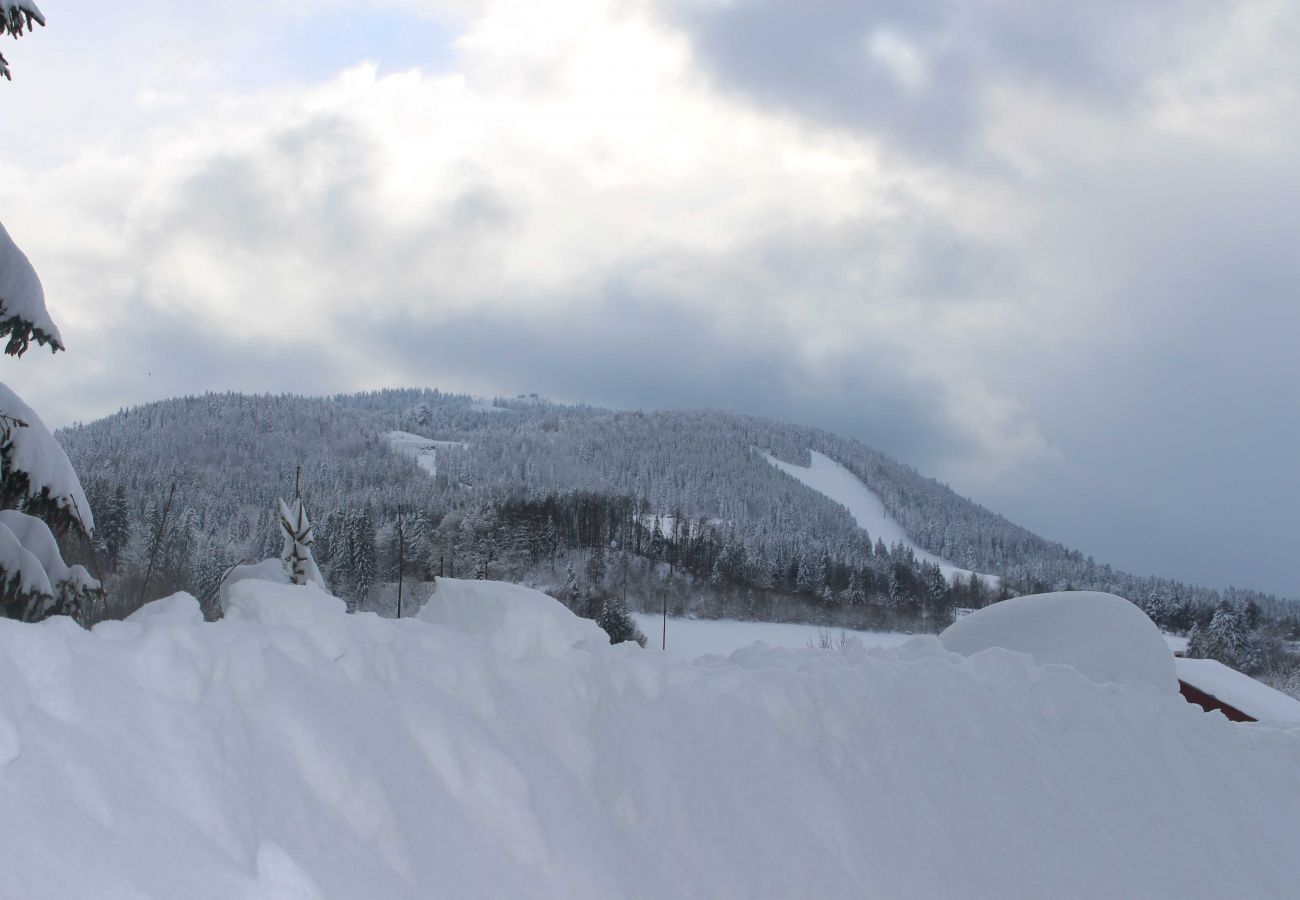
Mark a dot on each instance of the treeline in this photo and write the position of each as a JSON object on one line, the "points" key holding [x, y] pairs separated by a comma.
{"points": [[748, 539]]}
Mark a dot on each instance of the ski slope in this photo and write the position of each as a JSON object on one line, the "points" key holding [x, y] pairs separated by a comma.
{"points": [[497, 746], [422, 449], [827, 477]]}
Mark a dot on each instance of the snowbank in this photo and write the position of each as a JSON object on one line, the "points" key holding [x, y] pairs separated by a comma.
{"points": [[291, 750], [515, 621], [1105, 637]]}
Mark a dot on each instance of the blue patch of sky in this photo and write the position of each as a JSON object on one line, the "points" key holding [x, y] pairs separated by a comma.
{"points": [[320, 46], [393, 39]]}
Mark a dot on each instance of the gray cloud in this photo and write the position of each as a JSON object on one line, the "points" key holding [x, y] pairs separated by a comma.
{"points": [[913, 72]]}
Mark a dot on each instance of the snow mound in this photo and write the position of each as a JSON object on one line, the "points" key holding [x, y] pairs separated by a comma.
{"points": [[1104, 637], [516, 621], [268, 570], [293, 750]]}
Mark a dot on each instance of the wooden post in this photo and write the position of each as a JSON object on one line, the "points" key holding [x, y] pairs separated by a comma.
{"points": [[401, 556], [664, 648]]}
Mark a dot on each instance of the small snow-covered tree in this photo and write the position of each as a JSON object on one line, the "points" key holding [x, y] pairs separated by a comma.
{"points": [[618, 623], [298, 538]]}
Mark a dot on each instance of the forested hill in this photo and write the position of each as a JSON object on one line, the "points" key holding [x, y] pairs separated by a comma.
{"points": [[724, 514]]}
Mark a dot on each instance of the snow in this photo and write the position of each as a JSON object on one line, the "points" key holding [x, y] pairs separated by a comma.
{"points": [[517, 622], [1105, 638], [35, 536], [34, 450], [292, 750], [1255, 699], [269, 570], [827, 477], [424, 450], [484, 405], [17, 560], [21, 293], [691, 638]]}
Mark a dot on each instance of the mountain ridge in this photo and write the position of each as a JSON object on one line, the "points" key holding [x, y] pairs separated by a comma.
{"points": [[699, 463]]}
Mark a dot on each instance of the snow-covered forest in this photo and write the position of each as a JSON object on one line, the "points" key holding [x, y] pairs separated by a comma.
{"points": [[408, 643], [675, 508]]}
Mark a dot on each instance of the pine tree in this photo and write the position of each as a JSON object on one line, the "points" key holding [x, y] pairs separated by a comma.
{"points": [[40, 495], [363, 555], [596, 567], [571, 596], [618, 622], [1228, 639], [114, 532]]}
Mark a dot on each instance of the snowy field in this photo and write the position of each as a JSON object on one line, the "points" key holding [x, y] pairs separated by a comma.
{"points": [[496, 746], [826, 476], [691, 638], [424, 450]]}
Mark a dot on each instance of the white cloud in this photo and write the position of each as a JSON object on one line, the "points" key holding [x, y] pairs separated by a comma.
{"points": [[568, 149], [899, 56]]}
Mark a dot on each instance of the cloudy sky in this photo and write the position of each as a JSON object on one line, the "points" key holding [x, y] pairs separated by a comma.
{"points": [[1047, 252]]}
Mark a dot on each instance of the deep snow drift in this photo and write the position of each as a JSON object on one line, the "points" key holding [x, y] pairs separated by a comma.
{"points": [[1104, 637], [292, 750]]}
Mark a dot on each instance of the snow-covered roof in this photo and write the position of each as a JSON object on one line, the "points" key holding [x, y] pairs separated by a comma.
{"points": [[1254, 698], [1105, 637], [21, 294]]}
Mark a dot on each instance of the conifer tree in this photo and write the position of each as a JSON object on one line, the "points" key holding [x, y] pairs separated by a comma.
{"points": [[618, 623], [40, 495], [363, 553], [571, 595]]}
